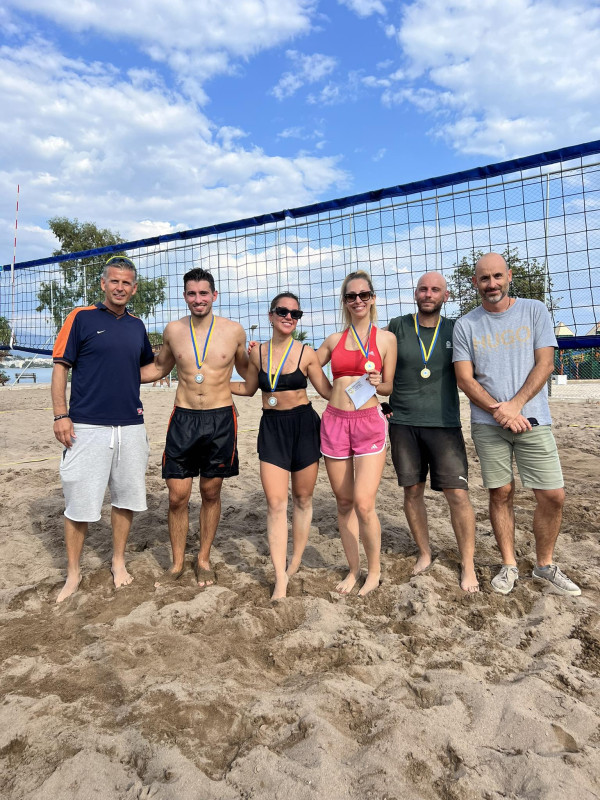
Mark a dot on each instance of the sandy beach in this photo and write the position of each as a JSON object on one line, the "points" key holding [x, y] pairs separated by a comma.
{"points": [[416, 692]]}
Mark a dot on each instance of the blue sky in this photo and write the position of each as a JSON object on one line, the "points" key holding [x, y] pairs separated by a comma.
{"points": [[150, 116]]}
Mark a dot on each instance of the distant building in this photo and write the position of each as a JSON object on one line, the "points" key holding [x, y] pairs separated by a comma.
{"points": [[563, 330], [594, 331]]}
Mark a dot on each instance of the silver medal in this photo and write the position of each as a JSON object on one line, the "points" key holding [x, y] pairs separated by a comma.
{"points": [[199, 378], [272, 401]]}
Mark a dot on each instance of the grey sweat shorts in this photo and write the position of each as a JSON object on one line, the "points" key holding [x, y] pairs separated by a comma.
{"points": [[103, 456]]}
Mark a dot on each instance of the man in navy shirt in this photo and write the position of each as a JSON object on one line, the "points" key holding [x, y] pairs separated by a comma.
{"points": [[103, 430]]}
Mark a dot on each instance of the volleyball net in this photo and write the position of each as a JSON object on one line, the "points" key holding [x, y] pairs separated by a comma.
{"points": [[542, 211]]}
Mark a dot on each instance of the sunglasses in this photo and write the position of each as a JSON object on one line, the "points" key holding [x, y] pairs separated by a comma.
{"points": [[350, 297], [114, 260], [281, 311]]}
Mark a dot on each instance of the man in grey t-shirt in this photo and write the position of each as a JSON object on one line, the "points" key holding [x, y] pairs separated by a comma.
{"points": [[503, 357]]}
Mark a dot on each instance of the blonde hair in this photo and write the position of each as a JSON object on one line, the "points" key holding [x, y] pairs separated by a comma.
{"points": [[360, 274]]}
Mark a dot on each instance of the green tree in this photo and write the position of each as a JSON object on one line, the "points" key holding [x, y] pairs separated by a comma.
{"points": [[5, 332], [79, 281], [301, 336], [529, 279]]}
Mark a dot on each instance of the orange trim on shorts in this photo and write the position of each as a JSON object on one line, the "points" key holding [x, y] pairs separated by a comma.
{"points": [[234, 435], [60, 344]]}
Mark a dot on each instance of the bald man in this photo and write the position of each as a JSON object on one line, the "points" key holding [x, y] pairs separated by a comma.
{"points": [[425, 430], [504, 355]]}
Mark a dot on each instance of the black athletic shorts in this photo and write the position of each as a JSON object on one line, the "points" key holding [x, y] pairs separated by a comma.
{"points": [[441, 451], [290, 439], [201, 443]]}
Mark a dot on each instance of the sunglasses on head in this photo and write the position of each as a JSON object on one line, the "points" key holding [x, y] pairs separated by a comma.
{"points": [[350, 297], [281, 311]]}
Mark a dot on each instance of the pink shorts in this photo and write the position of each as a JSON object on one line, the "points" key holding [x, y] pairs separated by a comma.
{"points": [[353, 433]]}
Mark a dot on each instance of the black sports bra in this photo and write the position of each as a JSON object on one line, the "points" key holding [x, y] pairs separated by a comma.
{"points": [[288, 381]]}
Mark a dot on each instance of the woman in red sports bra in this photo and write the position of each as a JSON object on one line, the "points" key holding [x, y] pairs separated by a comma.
{"points": [[288, 438], [353, 434]]}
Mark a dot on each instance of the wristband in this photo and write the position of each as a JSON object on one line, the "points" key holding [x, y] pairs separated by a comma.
{"points": [[61, 416]]}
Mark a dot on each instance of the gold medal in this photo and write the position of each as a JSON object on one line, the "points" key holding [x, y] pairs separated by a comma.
{"points": [[425, 354], [369, 366]]}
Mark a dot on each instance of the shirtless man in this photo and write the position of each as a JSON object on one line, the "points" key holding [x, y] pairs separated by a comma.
{"points": [[202, 434]]}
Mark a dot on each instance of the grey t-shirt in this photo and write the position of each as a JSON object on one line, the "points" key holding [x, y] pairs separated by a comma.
{"points": [[501, 347]]}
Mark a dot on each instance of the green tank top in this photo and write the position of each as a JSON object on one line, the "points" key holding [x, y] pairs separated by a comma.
{"points": [[426, 402]]}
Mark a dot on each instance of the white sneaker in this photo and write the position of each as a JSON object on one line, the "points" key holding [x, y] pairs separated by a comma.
{"points": [[505, 580], [558, 579]]}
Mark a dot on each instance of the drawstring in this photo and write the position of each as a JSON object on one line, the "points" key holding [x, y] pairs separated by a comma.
{"points": [[112, 440]]}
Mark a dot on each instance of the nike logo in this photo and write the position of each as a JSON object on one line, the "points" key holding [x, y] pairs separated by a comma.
{"points": [[104, 331]]}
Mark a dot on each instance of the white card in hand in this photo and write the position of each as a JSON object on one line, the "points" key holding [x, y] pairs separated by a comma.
{"points": [[360, 391]]}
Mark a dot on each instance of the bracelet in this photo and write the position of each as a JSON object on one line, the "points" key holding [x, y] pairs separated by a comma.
{"points": [[61, 416]]}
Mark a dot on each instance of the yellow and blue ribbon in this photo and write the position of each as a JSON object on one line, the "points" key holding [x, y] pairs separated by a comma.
{"points": [[274, 377], [363, 350], [425, 354], [199, 362]]}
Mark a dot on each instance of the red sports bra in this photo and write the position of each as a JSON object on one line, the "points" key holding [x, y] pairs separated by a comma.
{"points": [[351, 363]]}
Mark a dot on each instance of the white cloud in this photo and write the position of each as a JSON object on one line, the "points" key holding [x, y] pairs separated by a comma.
{"points": [[84, 141], [364, 8], [504, 77], [307, 69], [197, 38]]}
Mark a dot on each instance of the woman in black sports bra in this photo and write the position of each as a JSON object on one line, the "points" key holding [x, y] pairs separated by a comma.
{"points": [[289, 434]]}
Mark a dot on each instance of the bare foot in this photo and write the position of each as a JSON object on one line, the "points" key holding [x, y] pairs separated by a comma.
{"points": [[346, 586], [120, 575], [280, 590], [468, 580], [70, 587], [373, 582], [423, 562], [205, 574], [172, 575]]}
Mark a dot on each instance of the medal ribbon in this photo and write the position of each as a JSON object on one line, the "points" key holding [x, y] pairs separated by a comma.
{"points": [[363, 350], [274, 378], [426, 354], [206, 343]]}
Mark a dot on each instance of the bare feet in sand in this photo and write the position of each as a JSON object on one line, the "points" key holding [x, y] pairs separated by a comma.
{"points": [[468, 580], [205, 574], [372, 582], [170, 576], [280, 590], [70, 587], [422, 564], [120, 575], [346, 586]]}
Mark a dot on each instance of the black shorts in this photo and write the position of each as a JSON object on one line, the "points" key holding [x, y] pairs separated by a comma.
{"points": [[201, 443], [290, 439], [417, 450]]}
